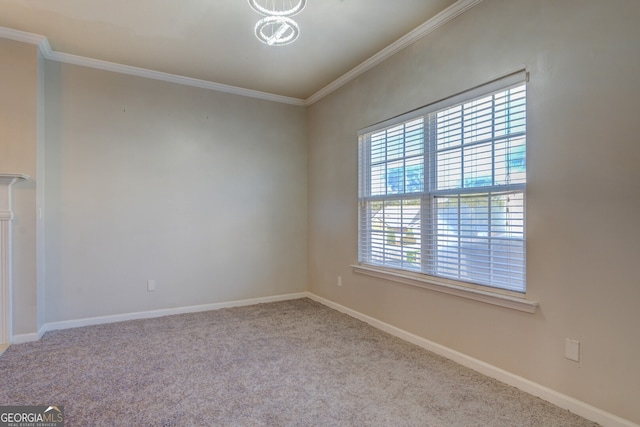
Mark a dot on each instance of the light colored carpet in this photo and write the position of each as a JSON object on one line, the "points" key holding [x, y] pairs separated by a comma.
{"points": [[292, 363]]}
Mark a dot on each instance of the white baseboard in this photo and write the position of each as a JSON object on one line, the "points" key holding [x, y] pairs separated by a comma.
{"points": [[99, 320], [23, 338], [585, 410], [563, 401]]}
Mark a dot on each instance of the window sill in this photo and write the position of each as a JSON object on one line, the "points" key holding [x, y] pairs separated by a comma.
{"points": [[508, 301]]}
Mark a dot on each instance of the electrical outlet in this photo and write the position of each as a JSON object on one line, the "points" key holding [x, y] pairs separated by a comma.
{"points": [[339, 281], [151, 285], [572, 349]]}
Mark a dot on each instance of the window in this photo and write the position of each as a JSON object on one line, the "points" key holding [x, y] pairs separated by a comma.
{"points": [[442, 189]]}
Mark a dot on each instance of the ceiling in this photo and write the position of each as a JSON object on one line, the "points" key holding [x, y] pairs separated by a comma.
{"points": [[213, 40]]}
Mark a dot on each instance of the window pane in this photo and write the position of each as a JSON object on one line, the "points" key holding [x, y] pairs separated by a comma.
{"points": [[480, 239], [414, 138], [510, 162], [449, 170], [478, 166], [397, 159], [508, 257], [378, 180], [414, 175], [395, 143], [395, 233], [445, 260], [378, 148], [449, 125], [474, 216], [510, 115], [395, 178], [478, 118], [475, 260], [507, 215]]}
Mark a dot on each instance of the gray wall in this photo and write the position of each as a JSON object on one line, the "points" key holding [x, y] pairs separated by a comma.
{"points": [[219, 197], [19, 100], [201, 191], [583, 196]]}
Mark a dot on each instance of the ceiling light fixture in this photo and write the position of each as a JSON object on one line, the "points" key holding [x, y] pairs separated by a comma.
{"points": [[286, 8], [277, 28]]}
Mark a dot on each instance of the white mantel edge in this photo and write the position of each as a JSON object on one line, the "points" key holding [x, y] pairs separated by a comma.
{"points": [[10, 178], [6, 215]]}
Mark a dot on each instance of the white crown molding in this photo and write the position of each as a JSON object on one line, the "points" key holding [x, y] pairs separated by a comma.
{"points": [[21, 36], [48, 53], [431, 25], [171, 78], [422, 31]]}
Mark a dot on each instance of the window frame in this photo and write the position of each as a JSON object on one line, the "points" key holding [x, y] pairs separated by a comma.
{"points": [[419, 278]]}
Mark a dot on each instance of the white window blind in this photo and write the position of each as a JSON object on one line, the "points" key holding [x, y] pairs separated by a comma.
{"points": [[442, 189]]}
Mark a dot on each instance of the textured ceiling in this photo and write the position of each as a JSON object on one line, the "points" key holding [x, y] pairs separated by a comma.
{"points": [[213, 40]]}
